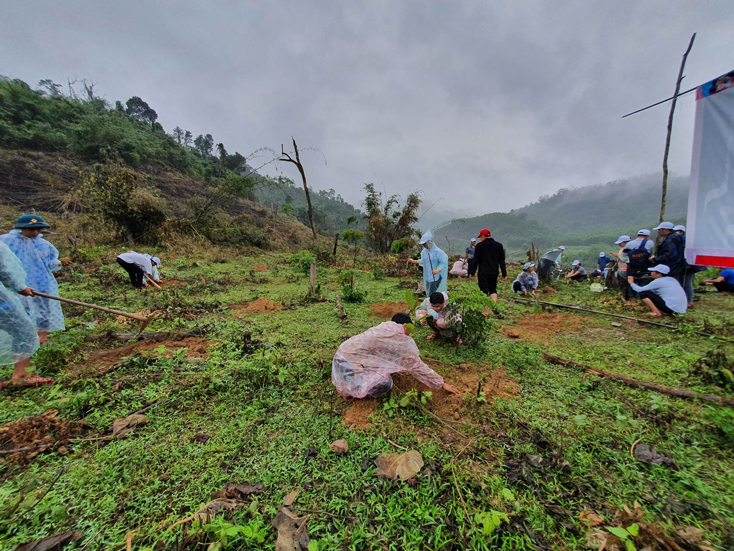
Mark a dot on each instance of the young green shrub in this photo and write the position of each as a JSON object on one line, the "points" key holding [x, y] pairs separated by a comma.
{"points": [[302, 261], [473, 306], [350, 292]]}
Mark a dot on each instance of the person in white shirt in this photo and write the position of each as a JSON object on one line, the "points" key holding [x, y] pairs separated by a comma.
{"points": [[138, 266], [663, 295]]}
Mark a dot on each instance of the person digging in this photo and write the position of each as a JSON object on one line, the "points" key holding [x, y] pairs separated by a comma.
{"points": [[434, 312], [363, 365]]}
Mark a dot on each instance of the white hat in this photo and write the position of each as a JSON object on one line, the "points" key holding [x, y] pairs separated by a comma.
{"points": [[662, 268], [562, 248], [528, 265], [156, 260], [680, 227], [664, 226], [575, 263], [602, 254], [473, 240], [644, 232], [622, 239]]}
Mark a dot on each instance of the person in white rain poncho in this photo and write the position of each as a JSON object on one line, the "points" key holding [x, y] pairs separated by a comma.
{"points": [[435, 265], [18, 337], [39, 259]]}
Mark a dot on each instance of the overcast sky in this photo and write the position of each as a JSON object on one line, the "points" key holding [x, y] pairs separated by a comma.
{"points": [[484, 105]]}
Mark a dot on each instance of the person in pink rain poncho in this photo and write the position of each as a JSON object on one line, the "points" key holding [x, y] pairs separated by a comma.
{"points": [[363, 364]]}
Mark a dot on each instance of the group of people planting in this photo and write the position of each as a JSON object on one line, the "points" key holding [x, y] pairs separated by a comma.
{"points": [[362, 365]]}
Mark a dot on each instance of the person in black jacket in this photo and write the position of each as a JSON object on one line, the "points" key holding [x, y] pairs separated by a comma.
{"points": [[489, 258], [670, 251]]}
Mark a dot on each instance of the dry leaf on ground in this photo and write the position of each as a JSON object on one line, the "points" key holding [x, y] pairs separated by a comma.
{"points": [[404, 465], [59, 541], [215, 507], [340, 446], [292, 533], [290, 498], [125, 425], [590, 519]]}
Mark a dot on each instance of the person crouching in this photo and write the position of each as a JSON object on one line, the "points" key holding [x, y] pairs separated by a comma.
{"points": [[663, 295], [527, 280]]}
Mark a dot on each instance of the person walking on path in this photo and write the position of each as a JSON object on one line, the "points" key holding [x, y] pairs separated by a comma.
{"points": [[435, 265], [363, 365], [18, 335], [40, 260], [138, 266], [489, 256], [663, 295]]}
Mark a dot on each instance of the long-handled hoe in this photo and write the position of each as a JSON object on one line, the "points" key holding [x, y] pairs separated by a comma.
{"points": [[144, 320]]}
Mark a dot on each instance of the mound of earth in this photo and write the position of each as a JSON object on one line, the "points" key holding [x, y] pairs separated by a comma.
{"points": [[358, 415], [260, 268], [35, 434], [388, 309], [539, 327], [260, 306], [102, 360], [466, 378], [172, 282]]}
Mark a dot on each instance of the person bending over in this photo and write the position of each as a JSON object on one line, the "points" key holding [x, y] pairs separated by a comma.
{"points": [[139, 267], [363, 364], [663, 295], [577, 273], [724, 283], [527, 280], [435, 312]]}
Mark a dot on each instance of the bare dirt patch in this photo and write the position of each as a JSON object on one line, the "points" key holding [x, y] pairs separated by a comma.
{"points": [[388, 309], [358, 415], [172, 282], [466, 378], [539, 327], [261, 268], [101, 361], [260, 306]]}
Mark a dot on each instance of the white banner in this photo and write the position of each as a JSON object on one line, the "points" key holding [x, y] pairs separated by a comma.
{"points": [[710, 229]]}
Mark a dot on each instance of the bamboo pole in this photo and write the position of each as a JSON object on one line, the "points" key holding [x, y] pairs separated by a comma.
{"points": [[662, 389], [138, 317]]}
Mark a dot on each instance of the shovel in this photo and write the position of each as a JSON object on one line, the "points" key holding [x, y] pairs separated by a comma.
{"points": [[144, 321]]}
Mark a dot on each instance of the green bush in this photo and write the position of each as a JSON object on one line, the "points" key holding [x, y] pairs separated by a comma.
{"points": [[302, 261]]}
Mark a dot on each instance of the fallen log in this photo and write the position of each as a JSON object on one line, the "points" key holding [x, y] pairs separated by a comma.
{"points": [[662, 389], [342, 311], [157, 336]]}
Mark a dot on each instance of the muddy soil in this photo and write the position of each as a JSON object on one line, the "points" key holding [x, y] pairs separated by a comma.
{"points": [[357, 417], [541, 327], [260, 306], [388, 309], [102, 361], [261, 268]]}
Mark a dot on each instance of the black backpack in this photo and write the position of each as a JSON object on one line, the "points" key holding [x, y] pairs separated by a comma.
{"points": [[639, 258]]}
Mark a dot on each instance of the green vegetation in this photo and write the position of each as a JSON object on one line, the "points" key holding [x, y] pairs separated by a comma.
{"points": [[518, 469]]}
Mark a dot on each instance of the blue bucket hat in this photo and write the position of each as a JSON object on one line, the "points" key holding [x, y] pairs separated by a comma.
{"points": [[30, 221]]}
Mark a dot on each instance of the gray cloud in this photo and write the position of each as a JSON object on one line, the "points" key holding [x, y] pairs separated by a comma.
{"points": [[485, 105]]}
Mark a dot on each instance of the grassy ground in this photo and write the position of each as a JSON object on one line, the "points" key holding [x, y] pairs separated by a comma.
{"points": [[556, 446]]}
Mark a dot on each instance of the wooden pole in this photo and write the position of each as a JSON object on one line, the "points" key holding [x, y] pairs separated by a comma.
{"points": [[138, 317], [312, 279], [340, 308], [662, 389], [336, 242], [670, 129]]}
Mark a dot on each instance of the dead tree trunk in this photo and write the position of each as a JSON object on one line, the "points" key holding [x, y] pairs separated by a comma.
{"points": [[340, 308], [297, 161], [336, 243], [662, 389], [312, 279], [670, 129]]}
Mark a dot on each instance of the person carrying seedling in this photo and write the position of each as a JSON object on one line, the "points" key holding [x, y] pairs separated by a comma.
{"points": [[435, 312], [435, 265], [527, 280], [139, 267], [363, 364], [18, 336], [40, 260]]}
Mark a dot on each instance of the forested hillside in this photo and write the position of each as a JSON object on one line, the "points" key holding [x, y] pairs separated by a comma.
{"points": [[52, 138]]}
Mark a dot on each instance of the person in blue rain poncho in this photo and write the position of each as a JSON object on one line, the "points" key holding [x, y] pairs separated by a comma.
{"points": [[18, 337], [39, 259], [435, 265]]}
